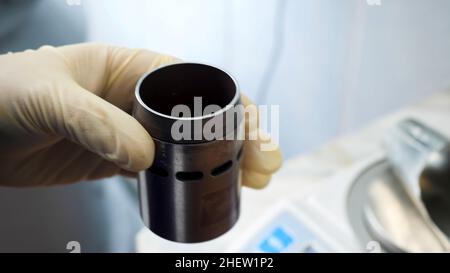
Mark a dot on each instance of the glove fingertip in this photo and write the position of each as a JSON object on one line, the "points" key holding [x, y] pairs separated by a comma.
{"points": [[255, 180]]}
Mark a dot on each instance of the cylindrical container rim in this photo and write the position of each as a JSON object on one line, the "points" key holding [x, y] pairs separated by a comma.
{"points": [[231, 104]]}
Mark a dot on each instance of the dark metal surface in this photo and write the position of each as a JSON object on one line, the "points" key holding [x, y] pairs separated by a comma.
{"points": [[191, 193], [433, 177], [435, 188], [381, 210]]}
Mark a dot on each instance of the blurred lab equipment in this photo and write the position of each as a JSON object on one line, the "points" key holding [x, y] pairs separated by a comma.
{"points": [[420, 157], [411, 147], [394, 213]]}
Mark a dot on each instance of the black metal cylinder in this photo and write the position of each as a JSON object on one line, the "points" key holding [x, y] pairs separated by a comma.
{"points": [[191, 193]]}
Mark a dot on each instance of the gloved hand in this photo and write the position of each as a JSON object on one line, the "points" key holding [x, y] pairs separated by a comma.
{"points": [[64, 117]]}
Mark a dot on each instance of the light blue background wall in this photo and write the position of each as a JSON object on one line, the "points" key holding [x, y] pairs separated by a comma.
{"points": [[342, 63]]}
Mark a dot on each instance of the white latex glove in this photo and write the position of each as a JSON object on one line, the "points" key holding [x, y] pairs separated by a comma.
{"points": [[64, 117]]}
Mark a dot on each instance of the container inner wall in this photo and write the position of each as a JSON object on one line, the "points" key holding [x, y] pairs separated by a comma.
{"points": [[178, 84]]}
